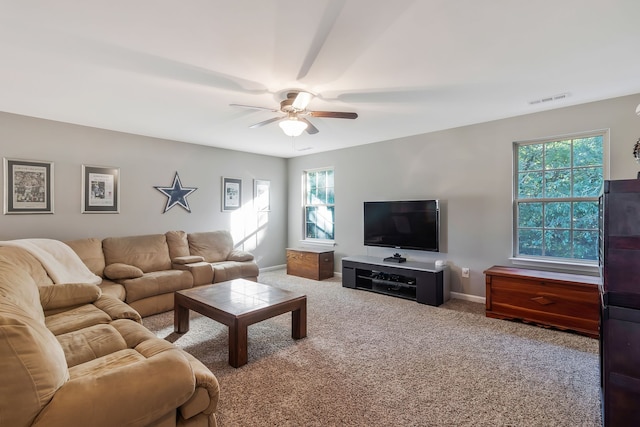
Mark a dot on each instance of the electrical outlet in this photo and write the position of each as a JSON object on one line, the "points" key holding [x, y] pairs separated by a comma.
{"points": [[465, 272]]}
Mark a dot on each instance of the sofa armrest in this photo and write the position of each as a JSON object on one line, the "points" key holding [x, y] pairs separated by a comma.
{"points": [[240, 256], [202, 272], [205, 399], [68, 295], [138, 393], [117, 309], [182, 260]]}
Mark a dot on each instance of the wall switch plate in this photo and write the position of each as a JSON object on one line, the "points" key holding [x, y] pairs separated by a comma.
{"points": [[465, 272]]}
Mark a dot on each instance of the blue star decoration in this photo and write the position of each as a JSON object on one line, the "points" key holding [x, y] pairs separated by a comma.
{"points": [[177, 194]]}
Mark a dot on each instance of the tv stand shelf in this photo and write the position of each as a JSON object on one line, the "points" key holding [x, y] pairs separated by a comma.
{"points": [[417, 281]]}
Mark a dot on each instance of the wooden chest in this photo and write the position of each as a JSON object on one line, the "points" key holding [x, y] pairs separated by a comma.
{"points": [[316, 264], [559, 300]]}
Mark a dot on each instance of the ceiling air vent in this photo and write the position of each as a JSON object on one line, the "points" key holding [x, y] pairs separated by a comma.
{"points": [[549, 99]]}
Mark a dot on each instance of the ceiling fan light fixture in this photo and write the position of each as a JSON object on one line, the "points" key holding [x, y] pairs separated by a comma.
{"points": [[292, 126]]}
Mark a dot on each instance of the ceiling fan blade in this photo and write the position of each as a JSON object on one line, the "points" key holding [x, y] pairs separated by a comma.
{"points": [[266, 122], [311, 129], [333, 114], [115, 56], [253, 107], [328, 20], [301, 101]]}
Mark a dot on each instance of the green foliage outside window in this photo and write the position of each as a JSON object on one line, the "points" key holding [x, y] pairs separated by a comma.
{"points": [[558, 184], [319, 204]]}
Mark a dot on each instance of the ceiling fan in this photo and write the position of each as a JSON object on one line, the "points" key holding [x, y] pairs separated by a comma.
{"points": [[294, 106]]}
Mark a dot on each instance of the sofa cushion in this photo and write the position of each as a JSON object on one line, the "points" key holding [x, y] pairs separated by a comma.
{"points": [[90, 252], [17, 287], [157, 283], [229, 270], [76, 318], [32, 363], [178, 244], [90, 343], [119, 271], [123, 388], [213, 246], [21, 259], [148, 253], [241, 256]]}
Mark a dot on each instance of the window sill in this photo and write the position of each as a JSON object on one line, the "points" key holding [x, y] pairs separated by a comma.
{"points": [[570, 267], [324, 243]]}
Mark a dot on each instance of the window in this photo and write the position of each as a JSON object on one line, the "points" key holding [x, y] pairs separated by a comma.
{"points": [[319, 204], [558, 183]]}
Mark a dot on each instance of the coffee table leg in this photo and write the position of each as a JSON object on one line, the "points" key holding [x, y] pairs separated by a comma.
{"points": [[238, 344], [299, 321], [180, 319]]}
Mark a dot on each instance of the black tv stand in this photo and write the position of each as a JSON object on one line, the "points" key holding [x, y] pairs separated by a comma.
{"points": [[421, 282]]}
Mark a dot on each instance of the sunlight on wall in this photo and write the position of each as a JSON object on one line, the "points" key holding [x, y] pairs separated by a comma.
{"points": [[248, 227]]}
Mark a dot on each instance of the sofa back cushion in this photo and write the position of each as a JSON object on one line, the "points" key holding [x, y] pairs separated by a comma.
{"points": [[148, 253], [213, 246], [23, 260], [18, 287], [32, 361], [90, 252], [178, 244]]}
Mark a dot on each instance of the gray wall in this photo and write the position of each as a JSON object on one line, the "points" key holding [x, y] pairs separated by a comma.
{"points": [[469, 169], [144, 163]]}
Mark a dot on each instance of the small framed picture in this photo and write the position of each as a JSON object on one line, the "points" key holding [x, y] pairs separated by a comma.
{"points": [[28, 187], [231, 194], [100, 189], [261, 195]]}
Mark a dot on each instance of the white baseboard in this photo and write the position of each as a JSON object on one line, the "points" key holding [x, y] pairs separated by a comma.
{"points": [[466, 297], [274, 267]]}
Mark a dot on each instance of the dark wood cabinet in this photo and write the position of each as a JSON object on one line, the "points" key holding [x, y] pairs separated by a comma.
{"points": [[620, 363], [559, 300], [620, 296], [316, 264]]}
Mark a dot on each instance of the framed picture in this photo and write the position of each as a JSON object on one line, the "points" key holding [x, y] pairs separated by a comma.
{"points": [[100, 189], [231, 194], [262, 195], [28, 187]]}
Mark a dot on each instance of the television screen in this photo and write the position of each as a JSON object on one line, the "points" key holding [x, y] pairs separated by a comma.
{"points": [[411, 224]]}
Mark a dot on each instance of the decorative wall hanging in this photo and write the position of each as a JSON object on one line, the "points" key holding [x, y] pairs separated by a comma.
{"points": [[100, 189], [231, 194], [262, 195], [177, 194], [28, 187]]}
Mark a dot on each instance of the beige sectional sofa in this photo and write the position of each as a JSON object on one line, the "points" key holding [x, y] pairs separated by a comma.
{"points": [[144, 271], [71, 355], [78, 354]]}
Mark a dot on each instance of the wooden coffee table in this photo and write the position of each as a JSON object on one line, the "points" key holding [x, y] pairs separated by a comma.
{"points": [[238, 304]]}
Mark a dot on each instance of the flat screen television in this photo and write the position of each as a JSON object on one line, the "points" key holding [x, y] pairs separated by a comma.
{"points": [[407, 224]]}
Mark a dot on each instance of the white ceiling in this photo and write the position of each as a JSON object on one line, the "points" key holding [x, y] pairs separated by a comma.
{"points": [[170, 69]]}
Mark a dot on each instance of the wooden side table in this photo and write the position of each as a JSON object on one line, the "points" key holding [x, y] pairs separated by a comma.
{"points": [[316, 264]]}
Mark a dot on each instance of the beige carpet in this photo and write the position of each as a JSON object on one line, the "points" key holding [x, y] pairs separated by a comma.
{"points": [[374, 360]]}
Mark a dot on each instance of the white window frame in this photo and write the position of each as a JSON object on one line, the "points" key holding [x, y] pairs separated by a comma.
{"points": [[581, 266], [310, 240]]}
